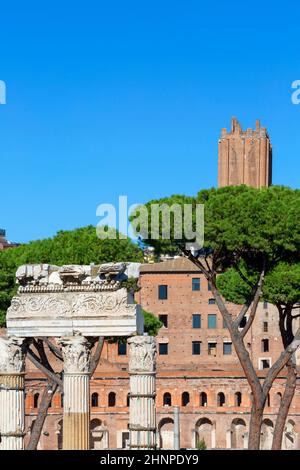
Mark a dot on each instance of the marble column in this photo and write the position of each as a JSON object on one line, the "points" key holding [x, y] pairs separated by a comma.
{"points": [[12, 393], [142, 370], [76, 418]]}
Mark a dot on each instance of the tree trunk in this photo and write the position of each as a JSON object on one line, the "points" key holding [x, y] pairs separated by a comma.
{"points": [[286, 401], [255, 426], [48, 394]]}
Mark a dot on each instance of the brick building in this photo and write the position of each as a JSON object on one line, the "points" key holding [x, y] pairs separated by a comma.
{"points": [[197, 370]]}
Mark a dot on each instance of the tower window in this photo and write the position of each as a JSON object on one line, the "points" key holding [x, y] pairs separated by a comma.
{"points": [[265, 345], [112, 399]]}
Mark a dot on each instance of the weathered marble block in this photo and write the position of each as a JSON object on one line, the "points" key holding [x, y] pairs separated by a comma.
{"points": [[91, 307]]}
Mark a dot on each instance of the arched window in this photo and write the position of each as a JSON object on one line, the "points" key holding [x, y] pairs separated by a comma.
{"points": [[203, 399], [167, 399], [128, 399], [238, 399], [95, 399], [36, 397], [278, 398], [112, 399], [221, 399], [185, 399]]}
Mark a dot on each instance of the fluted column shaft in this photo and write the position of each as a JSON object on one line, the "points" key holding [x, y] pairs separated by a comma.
{"points": [[142, 370], [12, 393], [76, 418]]}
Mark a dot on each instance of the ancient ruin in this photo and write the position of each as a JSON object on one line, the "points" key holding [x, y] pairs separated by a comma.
{"points": [[76, 305]]}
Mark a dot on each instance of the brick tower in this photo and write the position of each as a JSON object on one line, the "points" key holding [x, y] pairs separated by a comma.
{"points": [[245, 157]]}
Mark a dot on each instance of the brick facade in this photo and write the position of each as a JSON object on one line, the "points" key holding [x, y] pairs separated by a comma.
{"points": [[245, 157], [194, 382]]}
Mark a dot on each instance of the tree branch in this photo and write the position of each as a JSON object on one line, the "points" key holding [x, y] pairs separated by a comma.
{"points": [[96, 357], [54, 349], [254, 305], [281, 362], [50, 374]]}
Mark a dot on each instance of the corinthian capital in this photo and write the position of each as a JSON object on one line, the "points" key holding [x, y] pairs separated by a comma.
{"points": [[76, 352], [142, 354], [12, 355]]}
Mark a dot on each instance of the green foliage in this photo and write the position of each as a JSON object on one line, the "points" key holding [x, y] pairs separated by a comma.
{"points": [[79, 246], [152, 323], [248, 228], [282, 284], [201, 445]]}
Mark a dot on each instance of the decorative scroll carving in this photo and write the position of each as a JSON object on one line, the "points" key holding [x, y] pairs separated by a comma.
{"points": [[142, 354], [76, 354], [86, 304], [12, 355], [39, 306]]}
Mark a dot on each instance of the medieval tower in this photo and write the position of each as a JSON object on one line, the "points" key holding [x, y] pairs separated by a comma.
{"points": [[245, 157]]}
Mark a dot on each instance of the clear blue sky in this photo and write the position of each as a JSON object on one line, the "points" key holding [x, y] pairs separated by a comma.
{"points": [[109, 98]]}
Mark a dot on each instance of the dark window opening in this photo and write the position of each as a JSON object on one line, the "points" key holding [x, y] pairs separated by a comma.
{"points": [[162, 292], [36, 400], [196, 320], [112, 399], [167, 400], [203, 399], [227, 349], [95, 400], [185, 399], [196, 348], [238, 399], [212, 349], [196, 283], [122, 348], [163, 349], [164, 320], [221, 399], [265, 363], [265, 345]]}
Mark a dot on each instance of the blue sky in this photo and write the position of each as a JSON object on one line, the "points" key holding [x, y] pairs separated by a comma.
{"points": [[128, 98]]}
